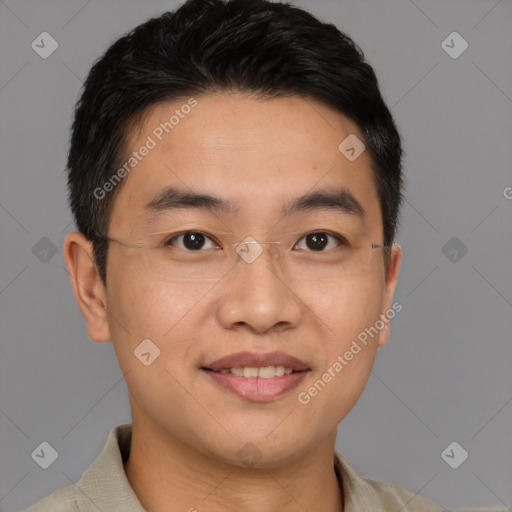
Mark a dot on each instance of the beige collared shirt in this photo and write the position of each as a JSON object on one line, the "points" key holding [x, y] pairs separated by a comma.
{"points": [[104, 487]]}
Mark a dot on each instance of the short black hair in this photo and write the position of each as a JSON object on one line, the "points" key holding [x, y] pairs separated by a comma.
{"points": [[269, 49]]}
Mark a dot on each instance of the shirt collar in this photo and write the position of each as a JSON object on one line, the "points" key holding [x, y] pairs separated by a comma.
{"points": [[105, 487]]}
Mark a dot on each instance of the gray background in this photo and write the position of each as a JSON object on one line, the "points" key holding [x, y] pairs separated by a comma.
{"points": [[445, 374]]}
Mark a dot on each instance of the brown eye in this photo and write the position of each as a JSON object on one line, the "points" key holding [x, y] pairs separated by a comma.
{"points": [[190, 240], [319, 240]]}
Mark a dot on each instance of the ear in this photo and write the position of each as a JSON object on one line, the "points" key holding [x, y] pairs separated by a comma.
{"points": [[395, 260], [89, 290]]}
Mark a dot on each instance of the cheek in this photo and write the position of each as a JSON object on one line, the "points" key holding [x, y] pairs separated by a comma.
{"points": [[143, 306], [343, 309], [344, 313]]}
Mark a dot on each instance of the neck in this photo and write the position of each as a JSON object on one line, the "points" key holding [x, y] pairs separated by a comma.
{"points": [[167, 475]]}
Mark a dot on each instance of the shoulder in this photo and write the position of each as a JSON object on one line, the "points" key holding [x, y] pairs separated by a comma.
{"points": [[62, 500], [104, 482], [362, 493], [391, 494]]}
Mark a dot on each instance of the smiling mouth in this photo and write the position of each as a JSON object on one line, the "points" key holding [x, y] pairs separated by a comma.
{"points": [[258, 383], [252, 372]]}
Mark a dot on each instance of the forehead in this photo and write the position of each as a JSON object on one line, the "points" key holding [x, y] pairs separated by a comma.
{"points": [[256, 154]]}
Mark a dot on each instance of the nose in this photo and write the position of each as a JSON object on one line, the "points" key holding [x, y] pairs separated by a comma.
{"points": [[255, 293]]}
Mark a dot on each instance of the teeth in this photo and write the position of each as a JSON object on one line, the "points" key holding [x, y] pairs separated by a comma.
{"points": [[250, 371], [280, 371], [265, 372]]}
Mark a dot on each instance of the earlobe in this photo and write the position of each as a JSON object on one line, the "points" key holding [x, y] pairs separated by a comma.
{"points": [[395, 260], [87, 286]]}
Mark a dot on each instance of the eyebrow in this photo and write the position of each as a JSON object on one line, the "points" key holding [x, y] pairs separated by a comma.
{"points": [[333, 199]]}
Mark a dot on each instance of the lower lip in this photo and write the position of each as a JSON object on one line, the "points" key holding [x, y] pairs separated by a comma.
{"points": [[257, 389]]}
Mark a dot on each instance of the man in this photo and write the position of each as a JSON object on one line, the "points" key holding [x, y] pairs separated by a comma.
{"points": [[235, 177]]}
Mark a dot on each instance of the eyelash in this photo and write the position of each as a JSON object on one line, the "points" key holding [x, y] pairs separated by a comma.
{"points": [[339, 238]]}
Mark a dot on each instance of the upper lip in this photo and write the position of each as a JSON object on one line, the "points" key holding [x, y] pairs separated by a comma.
{"points": [[253, 359]]}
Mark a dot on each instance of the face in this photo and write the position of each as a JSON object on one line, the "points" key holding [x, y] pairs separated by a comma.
{"points": [[257, 157]]}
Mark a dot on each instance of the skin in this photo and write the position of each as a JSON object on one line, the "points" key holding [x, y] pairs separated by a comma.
{"points": [[257, 153]]}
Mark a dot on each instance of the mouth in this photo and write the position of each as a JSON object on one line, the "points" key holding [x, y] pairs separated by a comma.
{"points": [[253, 372], [257, 377]]}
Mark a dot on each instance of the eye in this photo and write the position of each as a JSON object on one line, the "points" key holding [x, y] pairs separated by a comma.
{"points": [[191, 241], [319, 240]]}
